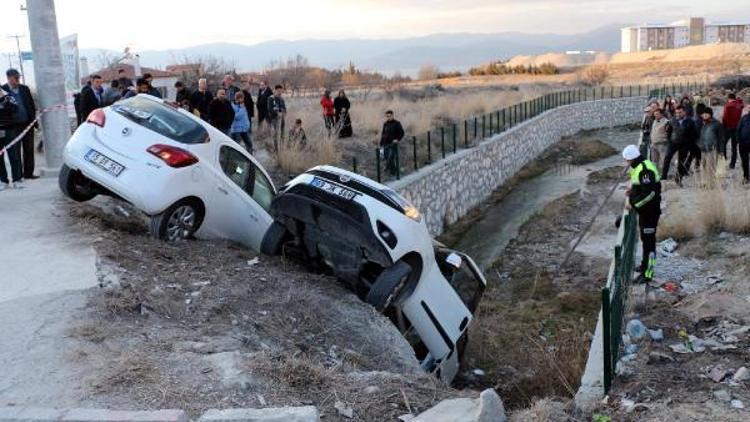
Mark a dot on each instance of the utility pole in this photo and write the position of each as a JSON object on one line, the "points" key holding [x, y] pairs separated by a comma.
{"points": [[50, 81], [20, 56], [10, 60]]}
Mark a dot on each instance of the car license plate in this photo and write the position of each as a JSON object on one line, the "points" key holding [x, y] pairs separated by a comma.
{"points": [[105, 163], [333, 189]]}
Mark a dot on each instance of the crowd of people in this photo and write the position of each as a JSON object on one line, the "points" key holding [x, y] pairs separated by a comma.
{"points": [[687, 129]]}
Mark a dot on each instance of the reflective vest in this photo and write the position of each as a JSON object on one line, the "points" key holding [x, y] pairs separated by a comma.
{"points": [[635, 172]]}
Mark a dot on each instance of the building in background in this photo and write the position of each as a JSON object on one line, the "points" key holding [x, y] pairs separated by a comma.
{"points": [[693, 31]]}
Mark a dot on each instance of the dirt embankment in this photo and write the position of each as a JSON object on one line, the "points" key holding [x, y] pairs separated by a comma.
{"points": [[200, 325]]}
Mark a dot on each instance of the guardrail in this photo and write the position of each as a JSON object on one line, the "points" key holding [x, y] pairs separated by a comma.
{"points": [[416, 151], [615, 291]]}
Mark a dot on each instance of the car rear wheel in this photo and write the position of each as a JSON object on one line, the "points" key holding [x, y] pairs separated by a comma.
{"points": [[274, 239], [389, 284], [75, 185], [178, 222]]}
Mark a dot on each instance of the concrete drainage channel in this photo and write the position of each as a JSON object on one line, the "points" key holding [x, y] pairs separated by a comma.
{"points": [[488, 407]]}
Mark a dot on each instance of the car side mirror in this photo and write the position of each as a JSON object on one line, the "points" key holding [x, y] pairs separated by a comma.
{"points": [[454, 260]]}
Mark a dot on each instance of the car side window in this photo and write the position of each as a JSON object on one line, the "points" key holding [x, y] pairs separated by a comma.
{"points": [[247, 176]]}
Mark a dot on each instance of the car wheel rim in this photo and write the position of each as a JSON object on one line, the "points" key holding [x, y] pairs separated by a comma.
{"points": [[181, 222]]}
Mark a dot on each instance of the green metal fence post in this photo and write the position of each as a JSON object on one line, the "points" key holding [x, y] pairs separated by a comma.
{"points": [[497, 119], [606, 339], [455, 129], [398, 162], [354, 164], [504, 119], [475, 128], [442, 141], [414, 152], [429, 147], [492, 127], [466, 133], [377, 163]]}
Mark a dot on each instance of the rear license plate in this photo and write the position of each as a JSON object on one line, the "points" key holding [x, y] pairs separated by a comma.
{"points": [[333, 189], [105, 163]]}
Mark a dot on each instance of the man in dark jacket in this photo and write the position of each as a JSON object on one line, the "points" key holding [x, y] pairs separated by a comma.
{"points": [[711, 139], [392, 133], [743, 141], [25, 114], [644, 196], [682, 138], [123, 80], [151, 88], [141, 87], [92, 96], [264, 93], [249, 104], [8, 109], [201, 99], [220, 112], [182, 98]]}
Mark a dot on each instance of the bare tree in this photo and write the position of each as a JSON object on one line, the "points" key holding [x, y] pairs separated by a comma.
{"points": [[594, 75], [428, 72], [106, 59]]}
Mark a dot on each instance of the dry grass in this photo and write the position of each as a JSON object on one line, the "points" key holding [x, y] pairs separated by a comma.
{"points": [[95, 333], [294, 159], [709, 203], [294, 372], [544, 410], [132, 369]]}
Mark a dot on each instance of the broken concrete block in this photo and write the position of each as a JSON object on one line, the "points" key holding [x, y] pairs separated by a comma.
{"points": [[737, 404], [269, 414], [343, 409], [741, 374], [722, 395], [487, 408]]}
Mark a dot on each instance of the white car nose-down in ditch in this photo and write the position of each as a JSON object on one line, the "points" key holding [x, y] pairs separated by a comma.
{"points": [[377, 242], [192, 180]]}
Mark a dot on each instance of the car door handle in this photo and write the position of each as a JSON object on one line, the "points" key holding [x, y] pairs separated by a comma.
{"points": [[222, 190]]}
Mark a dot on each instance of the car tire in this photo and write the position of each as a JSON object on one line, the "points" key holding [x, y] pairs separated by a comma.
{"points": [[389, 284], [178, 222], [71, 184], [274, 239]]}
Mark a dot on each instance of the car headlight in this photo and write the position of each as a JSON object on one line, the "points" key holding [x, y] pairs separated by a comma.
{"points": [[412, 212]]}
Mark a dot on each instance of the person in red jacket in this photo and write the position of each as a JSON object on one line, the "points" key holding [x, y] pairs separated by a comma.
{"points": [[327, 103], [731, 120]]}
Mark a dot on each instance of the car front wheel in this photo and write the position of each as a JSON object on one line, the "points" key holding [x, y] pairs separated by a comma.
{"points": [[389, 284], [75, 185], [178, 222]]}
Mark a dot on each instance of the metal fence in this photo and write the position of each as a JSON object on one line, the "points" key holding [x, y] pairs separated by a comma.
{"points": [[615, 292], [417, 151]]}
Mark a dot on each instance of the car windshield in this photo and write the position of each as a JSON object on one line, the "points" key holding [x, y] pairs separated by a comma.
{"points": [[466, 279], [162, 119]]}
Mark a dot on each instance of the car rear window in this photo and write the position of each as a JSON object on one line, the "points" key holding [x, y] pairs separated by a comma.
{"points": [[162, 119]]}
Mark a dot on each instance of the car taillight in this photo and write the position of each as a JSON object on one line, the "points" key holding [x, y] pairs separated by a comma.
{"points": [[97, 117], [173, 156]]}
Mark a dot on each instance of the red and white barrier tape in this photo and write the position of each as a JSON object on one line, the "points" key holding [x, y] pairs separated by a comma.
{"points": [[26, 130]]}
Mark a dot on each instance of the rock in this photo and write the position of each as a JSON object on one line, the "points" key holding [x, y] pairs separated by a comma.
{"points": [[269, 414], [656, 335], [343, 409], [722, 395], [631, 349], [627, 405], [635, 329], [478, 372], [717, 374], [741, 374], [253, 262], [372, 389], [655, 357], [487, 408], [737, 404], [667, 247]]}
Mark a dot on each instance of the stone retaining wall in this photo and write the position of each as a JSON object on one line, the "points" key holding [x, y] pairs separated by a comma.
{"points": [[445, 191]]}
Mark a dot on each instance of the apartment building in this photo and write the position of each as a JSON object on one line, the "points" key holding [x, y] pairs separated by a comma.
{"points": [[693, 31]]}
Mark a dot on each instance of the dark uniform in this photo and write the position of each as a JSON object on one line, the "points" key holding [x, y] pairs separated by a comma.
{"points": [[645, 198]]}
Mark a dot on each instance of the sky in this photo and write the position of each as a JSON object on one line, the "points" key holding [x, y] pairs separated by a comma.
{"points": [[163, 24]]}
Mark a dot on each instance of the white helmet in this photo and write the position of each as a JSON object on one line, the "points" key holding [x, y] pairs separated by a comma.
{"points": [[631, 152]]}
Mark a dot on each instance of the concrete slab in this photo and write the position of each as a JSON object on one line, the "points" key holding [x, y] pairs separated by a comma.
{"points": [[44, 255], [33, 414], [270, 414]]}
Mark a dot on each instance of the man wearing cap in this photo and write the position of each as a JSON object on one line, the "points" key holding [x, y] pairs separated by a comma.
{"points": [[25, 114], [644, 196]]}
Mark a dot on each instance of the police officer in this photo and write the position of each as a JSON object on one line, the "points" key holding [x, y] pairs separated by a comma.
{"points": [[644, 196]]}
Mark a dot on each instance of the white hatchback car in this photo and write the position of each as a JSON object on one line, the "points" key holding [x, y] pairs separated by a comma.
{"points": [[190, 178], [375, 241]]}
